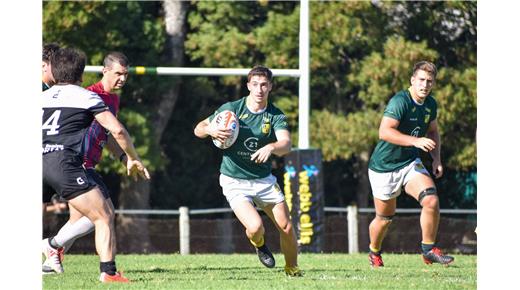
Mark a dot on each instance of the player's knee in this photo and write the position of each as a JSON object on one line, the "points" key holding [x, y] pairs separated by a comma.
{"points": [[286, 229], [428, 198], [256, 228], [385, 220], [431, 202], [105, 216]]}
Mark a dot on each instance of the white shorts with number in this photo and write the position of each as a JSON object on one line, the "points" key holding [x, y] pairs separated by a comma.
{"points": [[387, 185], [262, 191]]}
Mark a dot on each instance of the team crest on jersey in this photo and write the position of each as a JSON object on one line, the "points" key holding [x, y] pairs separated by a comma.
{"points": [[243, 116], [266, 125], [426, 118]]}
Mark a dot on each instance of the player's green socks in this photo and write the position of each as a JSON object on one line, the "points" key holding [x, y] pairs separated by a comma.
{"points": [[259, 244], [427, 246]]}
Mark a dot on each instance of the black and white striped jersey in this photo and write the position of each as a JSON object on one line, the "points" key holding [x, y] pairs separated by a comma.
{"points": [[68, 110]]}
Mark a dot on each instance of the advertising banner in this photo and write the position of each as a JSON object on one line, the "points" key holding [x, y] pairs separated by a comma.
{"points": [[303, 189]]}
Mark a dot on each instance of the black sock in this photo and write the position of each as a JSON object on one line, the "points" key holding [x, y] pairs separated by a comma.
{"points": [[108, 267], [53, 243]]}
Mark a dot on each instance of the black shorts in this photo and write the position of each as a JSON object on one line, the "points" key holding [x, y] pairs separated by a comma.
{"points": [[95, 178], [63, 171], [48, 192]]}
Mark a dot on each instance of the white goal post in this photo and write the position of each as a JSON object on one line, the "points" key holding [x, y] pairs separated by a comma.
{"points": [[302, 73]]}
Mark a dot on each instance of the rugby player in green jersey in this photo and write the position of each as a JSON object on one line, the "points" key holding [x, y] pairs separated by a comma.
{"points": [[409, 124], [246, 177]]}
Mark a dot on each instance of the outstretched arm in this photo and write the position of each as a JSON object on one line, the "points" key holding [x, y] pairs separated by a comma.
{"points": [[121, 136]]}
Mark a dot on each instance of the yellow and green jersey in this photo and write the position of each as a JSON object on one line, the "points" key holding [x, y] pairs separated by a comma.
{"points": [[414, 120], [256, 131]]}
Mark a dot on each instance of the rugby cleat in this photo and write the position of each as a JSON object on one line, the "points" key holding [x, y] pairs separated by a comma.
{"points": [[53, 258], [265, 256], [375, 260], [117, 278], [435, 255], [46, 248], [293, 271]]}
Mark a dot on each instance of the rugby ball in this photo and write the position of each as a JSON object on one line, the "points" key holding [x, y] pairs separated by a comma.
{"points": [[226, 120]]}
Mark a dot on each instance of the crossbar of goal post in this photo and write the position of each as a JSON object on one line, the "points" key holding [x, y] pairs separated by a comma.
{"points": [[195, 71]]}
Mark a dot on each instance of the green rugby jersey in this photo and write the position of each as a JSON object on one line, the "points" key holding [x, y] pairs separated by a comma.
{"points": [[414, 120], [256, 131]]}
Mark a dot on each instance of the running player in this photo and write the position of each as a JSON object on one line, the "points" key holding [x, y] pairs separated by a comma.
{"points": [[409, 116], [246, 177]]}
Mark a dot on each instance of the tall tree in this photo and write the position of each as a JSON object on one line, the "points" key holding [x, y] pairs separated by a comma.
{"points": [[137, 193]]}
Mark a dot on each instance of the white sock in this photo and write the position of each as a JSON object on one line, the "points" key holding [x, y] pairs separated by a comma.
{"points": [[70, 232]]}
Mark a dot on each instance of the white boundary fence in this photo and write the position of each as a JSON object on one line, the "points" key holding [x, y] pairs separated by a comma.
{"points": [[351, 210]]}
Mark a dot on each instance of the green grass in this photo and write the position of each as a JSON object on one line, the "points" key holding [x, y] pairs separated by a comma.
{"points": [[244, 271]]}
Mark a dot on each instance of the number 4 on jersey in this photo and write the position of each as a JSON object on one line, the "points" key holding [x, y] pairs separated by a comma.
{"points": [[52, 123]]}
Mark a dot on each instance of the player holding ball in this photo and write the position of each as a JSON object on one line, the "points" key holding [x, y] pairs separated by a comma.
{"points": [[246, 178]]}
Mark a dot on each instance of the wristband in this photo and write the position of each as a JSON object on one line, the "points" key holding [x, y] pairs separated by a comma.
{"points": [[122, 156]]}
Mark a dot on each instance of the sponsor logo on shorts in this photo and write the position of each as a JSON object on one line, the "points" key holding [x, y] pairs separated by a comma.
{"points": [[80, 181]]}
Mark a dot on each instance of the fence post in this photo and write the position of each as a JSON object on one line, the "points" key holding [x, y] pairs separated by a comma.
{"points": [[184, 230], [352, 220]]}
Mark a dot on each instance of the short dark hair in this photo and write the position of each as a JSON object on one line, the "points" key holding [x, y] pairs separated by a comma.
{"points": [[48, 50], [115, 56], [68, 65], [260, 70], [425, 66]]}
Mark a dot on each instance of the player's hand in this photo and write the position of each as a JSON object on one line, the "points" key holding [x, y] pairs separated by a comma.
{"points": [[219, 134], [262, 155], [136, 169], [425, 144], [437, 169]]}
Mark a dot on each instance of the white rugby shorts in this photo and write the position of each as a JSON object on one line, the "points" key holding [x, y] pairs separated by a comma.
{"points": [[387, 185], [261, 191]]}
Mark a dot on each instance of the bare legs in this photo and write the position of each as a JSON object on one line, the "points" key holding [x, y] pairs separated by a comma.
{"points": [[279, 214]]}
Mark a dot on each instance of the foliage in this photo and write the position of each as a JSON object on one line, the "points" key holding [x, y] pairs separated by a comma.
{"points": [[92, 27], [361, 54]]}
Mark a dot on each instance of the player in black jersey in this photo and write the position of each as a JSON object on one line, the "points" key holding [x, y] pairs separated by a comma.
{"points": [[47, 78], [68, 110]]}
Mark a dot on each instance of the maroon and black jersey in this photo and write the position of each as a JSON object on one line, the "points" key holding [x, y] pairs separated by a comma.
{"points": [[68, 110], [96, 136]]}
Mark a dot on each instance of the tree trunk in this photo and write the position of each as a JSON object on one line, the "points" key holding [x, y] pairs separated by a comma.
{"points": [[136, 195]]}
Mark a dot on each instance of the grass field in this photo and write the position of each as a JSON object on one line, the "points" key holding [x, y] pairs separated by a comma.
{"points": [[244, 271]]}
